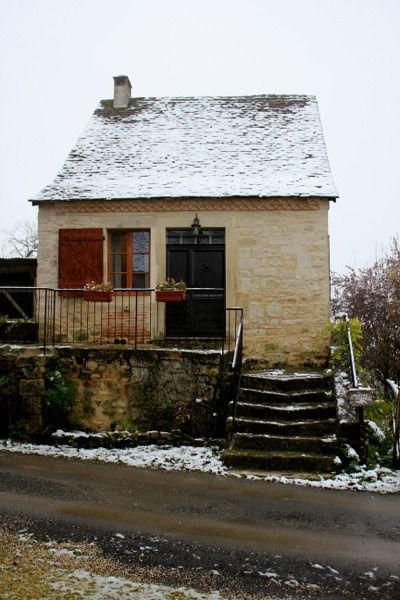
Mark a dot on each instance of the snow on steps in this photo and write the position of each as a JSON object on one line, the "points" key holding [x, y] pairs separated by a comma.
{"points": [[287, 412], [278, 461], [323, 445], [284, 421], [289, 428], [286, 381]]}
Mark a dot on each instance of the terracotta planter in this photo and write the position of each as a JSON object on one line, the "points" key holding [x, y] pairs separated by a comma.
{"points": [[170, 295], [93, 296]]}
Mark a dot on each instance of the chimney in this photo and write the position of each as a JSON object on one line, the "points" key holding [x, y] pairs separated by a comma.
{"points": [[122, 91]]}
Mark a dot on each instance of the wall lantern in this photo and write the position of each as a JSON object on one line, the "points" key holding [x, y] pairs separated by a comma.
{"points": [[196, 228]]}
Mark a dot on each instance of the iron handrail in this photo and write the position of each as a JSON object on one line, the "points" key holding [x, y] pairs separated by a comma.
{"points": [[236, 368], [238, 344], [395, 423], [351, 353]]}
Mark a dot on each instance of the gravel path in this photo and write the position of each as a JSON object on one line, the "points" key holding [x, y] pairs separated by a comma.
{"points": [[243, 539]]}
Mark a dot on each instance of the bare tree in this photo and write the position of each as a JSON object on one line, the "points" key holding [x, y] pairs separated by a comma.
{"points": [[373, 295], [22, 242]]}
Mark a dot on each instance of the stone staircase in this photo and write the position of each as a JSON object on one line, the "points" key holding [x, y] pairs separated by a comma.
{"points": [[284, 422]]}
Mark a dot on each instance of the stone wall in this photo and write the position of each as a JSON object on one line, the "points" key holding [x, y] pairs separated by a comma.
{"points": [[118, 388], [21, 390], [277, 262]]}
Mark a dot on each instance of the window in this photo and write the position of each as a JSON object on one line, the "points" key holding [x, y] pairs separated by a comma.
{"points": [[129, 259], [207, 237]]}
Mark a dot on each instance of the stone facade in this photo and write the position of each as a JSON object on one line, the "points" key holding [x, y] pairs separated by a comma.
{"points": [[277, 261]]}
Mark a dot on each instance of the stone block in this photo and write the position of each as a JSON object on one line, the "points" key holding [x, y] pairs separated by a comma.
{"points": [[31, 387], [32, 405]]}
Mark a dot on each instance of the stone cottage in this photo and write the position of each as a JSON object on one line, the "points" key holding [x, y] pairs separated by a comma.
{"points": [[230, 193]]}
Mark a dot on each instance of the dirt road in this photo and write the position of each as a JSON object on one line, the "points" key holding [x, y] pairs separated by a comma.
{"points": [[259, 536]]}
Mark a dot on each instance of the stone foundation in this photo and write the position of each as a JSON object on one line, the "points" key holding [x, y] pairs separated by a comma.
{"points": [[118, 388]]}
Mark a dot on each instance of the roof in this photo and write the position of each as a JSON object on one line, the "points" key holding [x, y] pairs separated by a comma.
{"points": [[270, 145]]}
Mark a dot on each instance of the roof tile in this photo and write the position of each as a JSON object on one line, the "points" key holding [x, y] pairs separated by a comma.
{"points": [[198, 147]]}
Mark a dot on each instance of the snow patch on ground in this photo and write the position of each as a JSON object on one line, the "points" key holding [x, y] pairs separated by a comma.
{"points": [[351, 453], [119, 588], [376, 431], [208, 460], [170, 458], [378, 479]]}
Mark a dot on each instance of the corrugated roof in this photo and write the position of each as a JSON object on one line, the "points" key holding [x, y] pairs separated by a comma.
{"points": [[201, 147]]}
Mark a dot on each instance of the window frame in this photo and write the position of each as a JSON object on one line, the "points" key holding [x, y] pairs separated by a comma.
{"points": [[130, 274]]}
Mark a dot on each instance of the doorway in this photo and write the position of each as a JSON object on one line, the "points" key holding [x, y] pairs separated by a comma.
{"points": [[200, 262]]}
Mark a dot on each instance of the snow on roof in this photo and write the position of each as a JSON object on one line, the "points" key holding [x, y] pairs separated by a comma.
{"points": [[198, 147]]}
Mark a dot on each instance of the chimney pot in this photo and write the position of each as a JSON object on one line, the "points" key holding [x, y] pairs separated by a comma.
{"points": [[122, 91]]}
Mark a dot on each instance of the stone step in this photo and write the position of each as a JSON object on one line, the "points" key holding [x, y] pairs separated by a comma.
{"points": [[318, 427], [268, 396], [285, 421], [283, 412], [286, 381], [326, 445], [278, 461]]}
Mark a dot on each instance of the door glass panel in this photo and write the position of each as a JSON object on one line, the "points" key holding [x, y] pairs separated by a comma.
{"points": [[185, 237]]}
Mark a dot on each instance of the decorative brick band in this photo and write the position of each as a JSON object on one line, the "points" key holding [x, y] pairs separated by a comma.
{"points": [[189, 204]]}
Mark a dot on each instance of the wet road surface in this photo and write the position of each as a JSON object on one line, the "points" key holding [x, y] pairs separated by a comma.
{"points": [[261, 537]]}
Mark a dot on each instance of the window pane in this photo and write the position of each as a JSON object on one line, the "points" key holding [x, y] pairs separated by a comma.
{"points": [[119, 262], [141, 263], [118, 242], [140, 281], [119, 280], [141, 241]]}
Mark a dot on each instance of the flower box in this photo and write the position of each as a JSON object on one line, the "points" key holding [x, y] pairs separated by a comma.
{"points": [[97, 296], [170, 295], [170, 290]]}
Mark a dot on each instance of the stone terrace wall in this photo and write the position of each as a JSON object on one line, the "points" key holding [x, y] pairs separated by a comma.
{"points": [[147, 389], [21, 390]]}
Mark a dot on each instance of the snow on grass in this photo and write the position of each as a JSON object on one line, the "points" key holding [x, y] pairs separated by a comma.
{"points": [[30, 568], [98, 587], [208, 460]]}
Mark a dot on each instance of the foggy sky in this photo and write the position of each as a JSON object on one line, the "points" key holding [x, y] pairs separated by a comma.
{"points": [[58, 58]]}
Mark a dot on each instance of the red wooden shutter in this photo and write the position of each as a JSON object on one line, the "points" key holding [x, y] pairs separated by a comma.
{"points": [[80, 257]]}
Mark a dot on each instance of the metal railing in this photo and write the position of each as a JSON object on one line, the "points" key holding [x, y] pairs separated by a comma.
{"points": [[236, 368], [395, 423], [352, 361], [131, 316], [360, 396]]}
